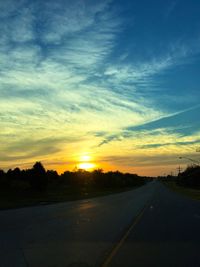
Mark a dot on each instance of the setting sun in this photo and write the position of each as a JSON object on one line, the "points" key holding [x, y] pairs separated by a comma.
{"points": [[86, 162], [86, 165]]}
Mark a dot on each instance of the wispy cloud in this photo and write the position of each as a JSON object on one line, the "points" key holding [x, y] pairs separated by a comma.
{"points": [[181, 120], [157, 145], [64, 20], [64, 71], [171, 133]]}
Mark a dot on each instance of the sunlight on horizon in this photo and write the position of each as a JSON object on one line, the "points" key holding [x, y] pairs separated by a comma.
{"points": [[104, 84], [85, 162], [86, 166]]}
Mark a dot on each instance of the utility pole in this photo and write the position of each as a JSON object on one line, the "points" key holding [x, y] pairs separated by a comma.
{"points": [[179, 170]]}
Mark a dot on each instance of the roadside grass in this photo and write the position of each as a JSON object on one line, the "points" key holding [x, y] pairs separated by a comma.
{"points": [[189, 192], [16, 198]]}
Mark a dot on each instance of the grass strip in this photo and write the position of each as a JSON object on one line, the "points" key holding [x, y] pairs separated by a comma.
{"points": [[189, 192]]}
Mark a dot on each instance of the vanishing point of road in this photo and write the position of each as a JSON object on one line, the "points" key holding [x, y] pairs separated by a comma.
{"points": [[148, 226]]}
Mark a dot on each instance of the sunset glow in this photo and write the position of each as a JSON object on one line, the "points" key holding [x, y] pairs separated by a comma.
{"points": [[85, 158], [86, 162], [99, 83], [86, 166]]}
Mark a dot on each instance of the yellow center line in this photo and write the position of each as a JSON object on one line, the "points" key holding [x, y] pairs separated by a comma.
{"points": [[124, 237]]}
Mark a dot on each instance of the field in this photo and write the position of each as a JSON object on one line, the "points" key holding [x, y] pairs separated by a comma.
{"points": [[16, 199]]}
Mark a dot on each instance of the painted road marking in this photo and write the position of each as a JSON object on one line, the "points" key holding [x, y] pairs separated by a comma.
{"points": [[123, 239]]}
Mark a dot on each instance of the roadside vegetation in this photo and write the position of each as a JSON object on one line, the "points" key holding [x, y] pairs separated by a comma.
{"points": [[37, 186], [187, 182]]}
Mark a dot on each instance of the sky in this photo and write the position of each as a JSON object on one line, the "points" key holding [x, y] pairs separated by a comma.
{"points": [[106, 84]]}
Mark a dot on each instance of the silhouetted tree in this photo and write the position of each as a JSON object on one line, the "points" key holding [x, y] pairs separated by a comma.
{"points": [[98, 177], [66, 177], [16, 173], [38, 177], [52, 175], [190, 177], [2, 174], [2, 178]]}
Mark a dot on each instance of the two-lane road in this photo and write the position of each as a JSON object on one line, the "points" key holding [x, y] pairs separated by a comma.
{"points": [[78, 232], [92, 232], [168, 234]]}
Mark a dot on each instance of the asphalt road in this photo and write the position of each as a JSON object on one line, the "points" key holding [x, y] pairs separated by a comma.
{"points": [[167, 234], [149, 226]]}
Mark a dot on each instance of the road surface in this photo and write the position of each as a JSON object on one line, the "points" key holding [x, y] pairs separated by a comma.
{"points": [[148, 226], [167, 234]]}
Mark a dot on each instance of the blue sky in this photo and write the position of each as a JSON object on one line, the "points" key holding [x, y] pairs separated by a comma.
{"points": [[116, 80]]}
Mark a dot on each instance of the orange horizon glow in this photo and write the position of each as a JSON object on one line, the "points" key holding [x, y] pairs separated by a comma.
{"points": [[106, 167], [86, 166], [96, 164], [86, 162]]}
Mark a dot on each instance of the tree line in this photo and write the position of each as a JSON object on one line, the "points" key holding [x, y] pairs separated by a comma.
{"points": [[39, 179], [190, 177]]}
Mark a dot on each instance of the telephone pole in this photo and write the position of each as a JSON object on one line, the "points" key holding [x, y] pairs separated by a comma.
{"points": [[179, 169]]}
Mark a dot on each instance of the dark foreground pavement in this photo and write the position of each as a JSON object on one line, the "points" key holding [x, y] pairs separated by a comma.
{"points": [[78, 233], [92, 232], [167, 234]]}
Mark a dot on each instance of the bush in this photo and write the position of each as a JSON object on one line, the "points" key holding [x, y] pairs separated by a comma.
{"points": [[190, 177]]}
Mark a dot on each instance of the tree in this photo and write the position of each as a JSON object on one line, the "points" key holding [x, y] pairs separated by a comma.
{"points": [[38, 179], [190, 177], [52, 175], [2, 174]]}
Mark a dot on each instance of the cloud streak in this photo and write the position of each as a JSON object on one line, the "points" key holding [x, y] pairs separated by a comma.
{"points": [[66, 70]]}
